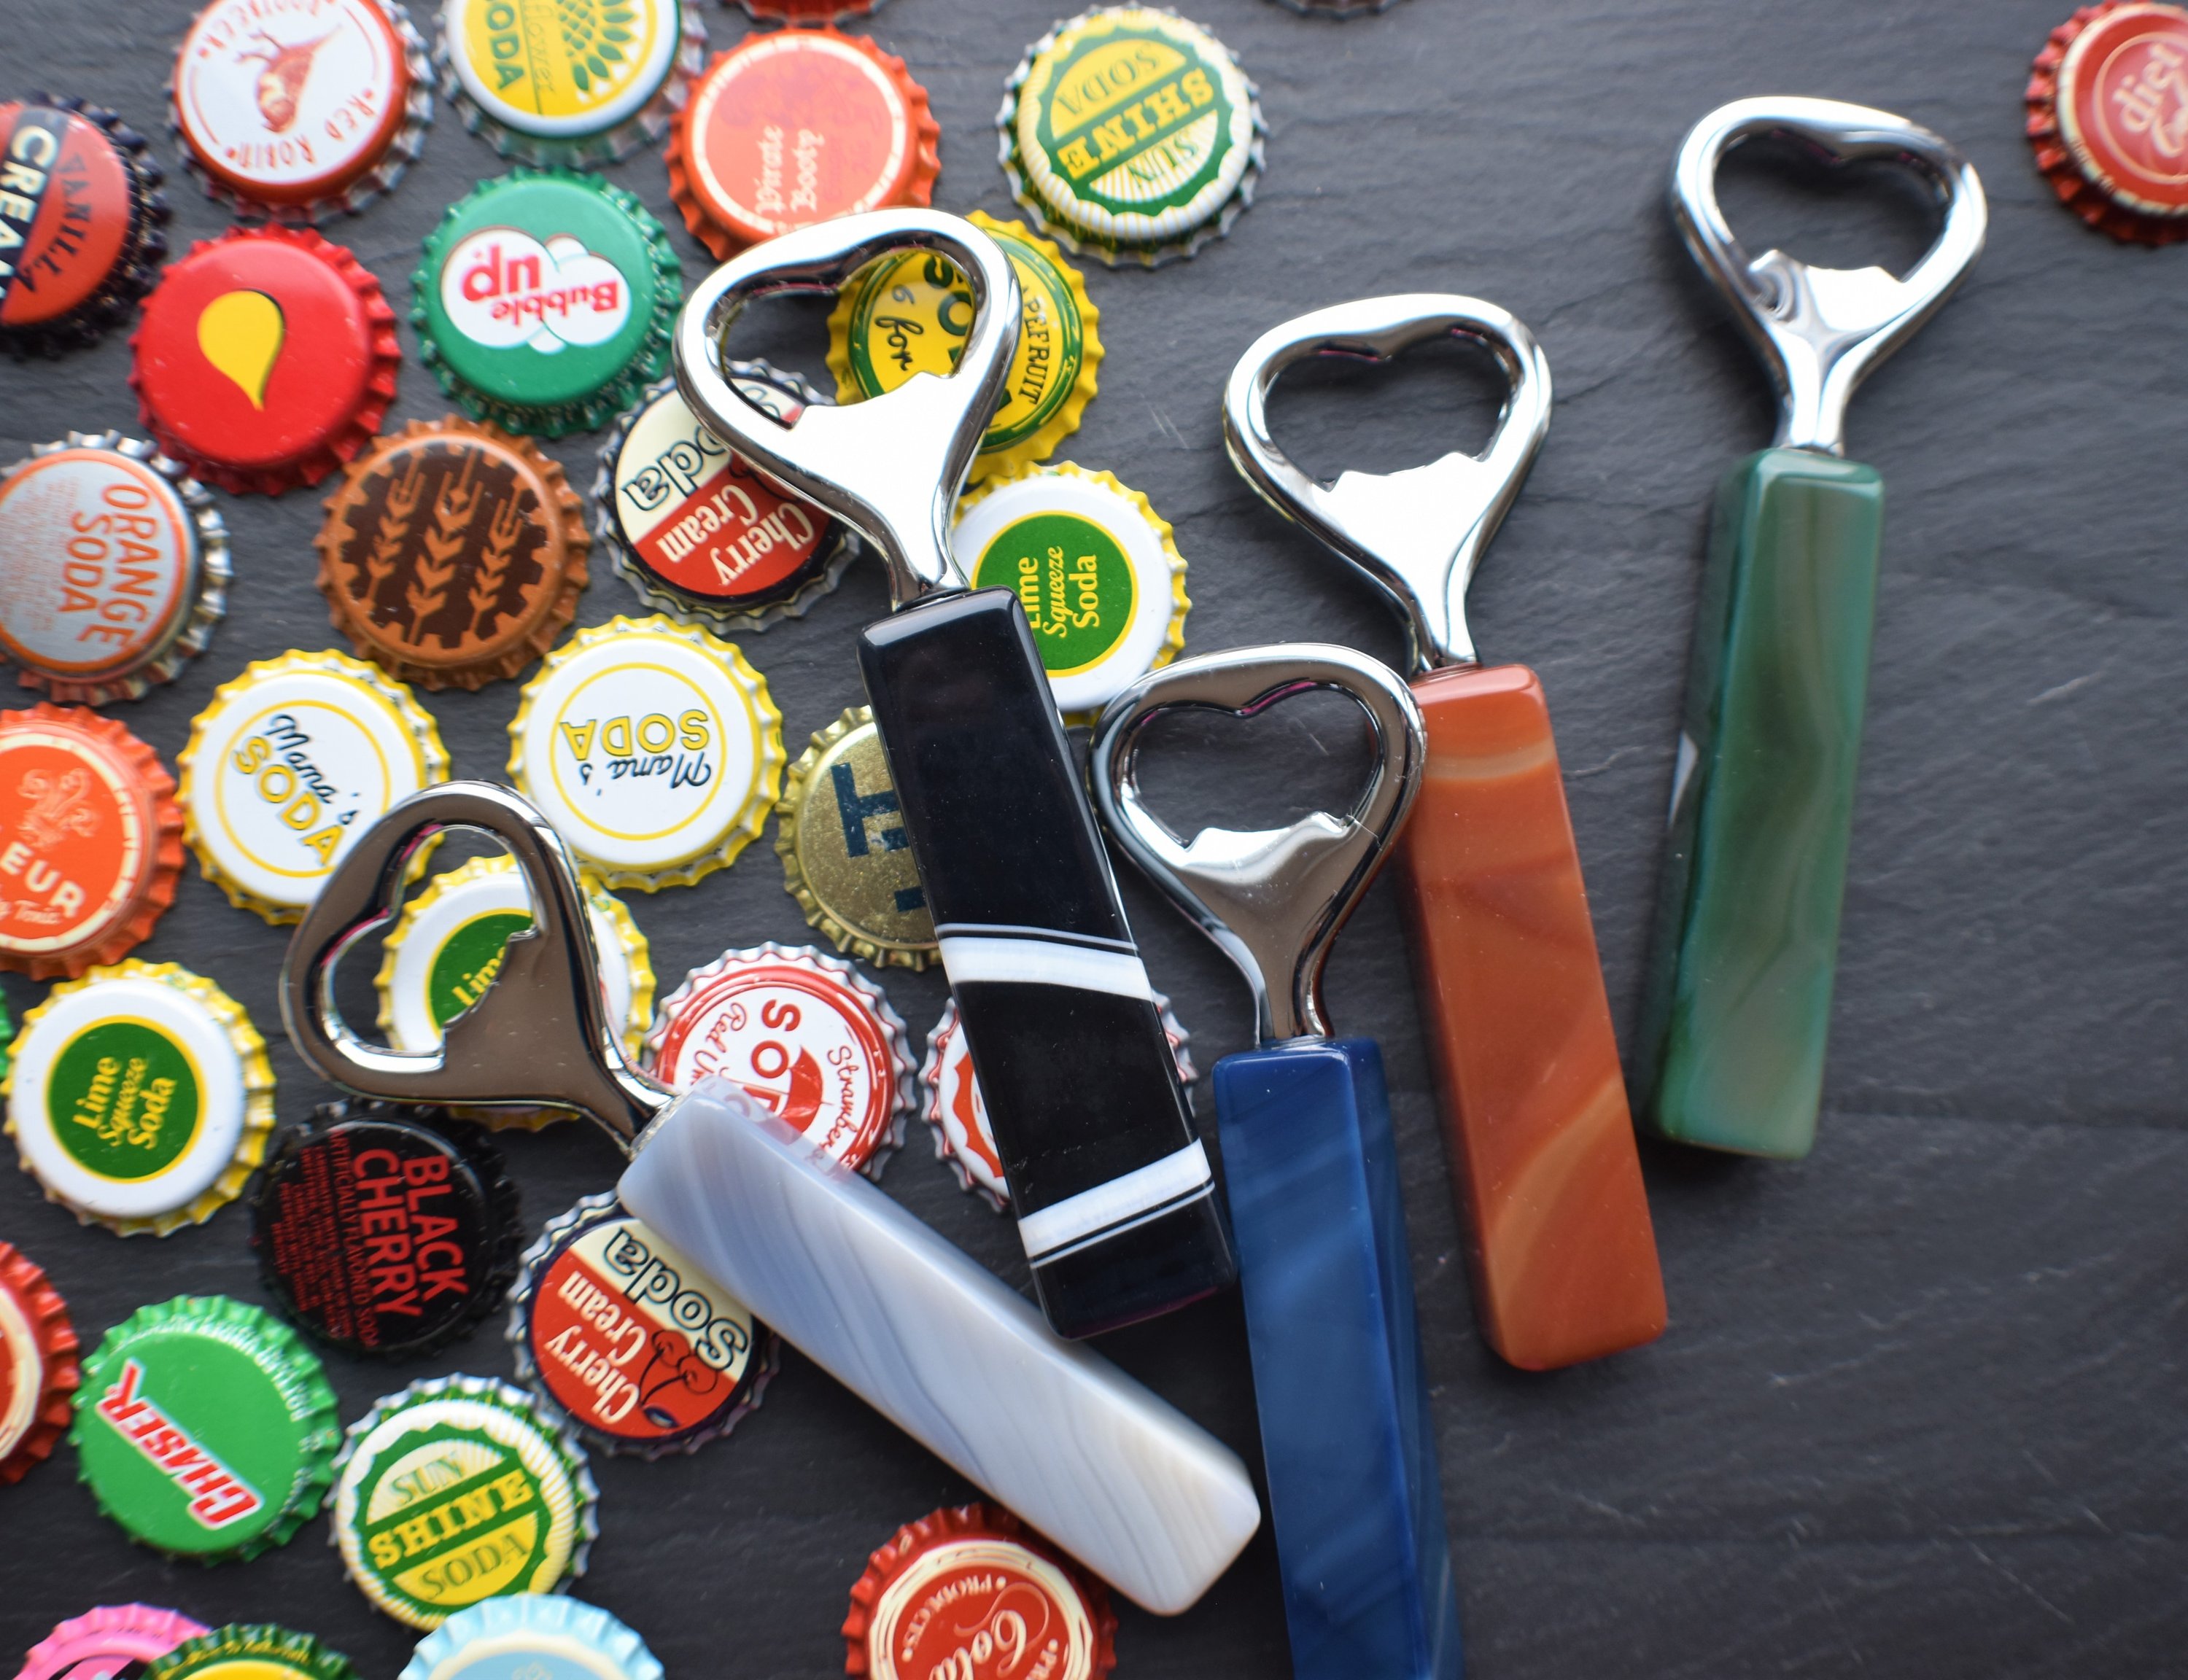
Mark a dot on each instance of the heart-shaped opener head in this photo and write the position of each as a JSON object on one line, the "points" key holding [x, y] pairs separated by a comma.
{"points": [[1822, 330], [890, 467], [1272, 900], [1418, 534], [539, 1035]]}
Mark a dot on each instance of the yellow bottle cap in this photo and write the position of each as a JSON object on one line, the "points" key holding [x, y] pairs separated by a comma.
{"points": [[845, 856], [140, 1098], [569, 82], [289, 765], [652, 748], [908, 314], [1097, 569], [446, 948]]}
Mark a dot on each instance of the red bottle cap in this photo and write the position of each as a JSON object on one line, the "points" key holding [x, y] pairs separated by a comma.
{"points": [[266, 360], [303, 111], [37, 1367], [85, 218], [93, 841], [808, 11], [2108, 118], [971, 1593], [109, 1641], [804, 1033], [797, 126]]}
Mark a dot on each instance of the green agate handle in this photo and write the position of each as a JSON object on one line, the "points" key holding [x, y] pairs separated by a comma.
{"points": [[1731, 1055]]}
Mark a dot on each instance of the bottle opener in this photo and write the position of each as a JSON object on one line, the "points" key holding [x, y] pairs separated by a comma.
{"points": [[1311, 1176], [1730, 1053], [1138, 1493], [1540, 1139], [1108, 1179]]}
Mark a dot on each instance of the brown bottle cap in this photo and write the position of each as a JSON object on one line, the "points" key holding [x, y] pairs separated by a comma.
{"points": [[452, 553]]}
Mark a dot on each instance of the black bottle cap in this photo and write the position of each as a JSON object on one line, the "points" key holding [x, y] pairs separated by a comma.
{"points": [[384, 1230]]}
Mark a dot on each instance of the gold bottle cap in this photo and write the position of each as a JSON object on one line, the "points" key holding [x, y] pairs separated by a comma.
{"points": [[845, 856], [140, 1098], [445, 949], [1097, 569], [908, 314], [652, 748], [292, 762]]}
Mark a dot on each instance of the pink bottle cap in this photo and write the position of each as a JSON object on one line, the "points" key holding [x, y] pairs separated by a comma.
{"points": [[100, 1643]]}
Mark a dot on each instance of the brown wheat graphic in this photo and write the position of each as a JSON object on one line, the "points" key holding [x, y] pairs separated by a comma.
{"points": [[437, 569], [393, 526], [493, 564]]}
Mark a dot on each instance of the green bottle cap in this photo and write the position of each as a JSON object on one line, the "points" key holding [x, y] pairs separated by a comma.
{"points": [[545, 301], [457, 1490], [1133, 135], [206, 1427], [246, 1650]]}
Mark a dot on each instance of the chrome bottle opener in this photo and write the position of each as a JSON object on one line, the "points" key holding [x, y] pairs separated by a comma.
{"points": [[1541, 1144], [1730, 1053], [1136, 1491], [1110, 1184], [1311, 1173]]}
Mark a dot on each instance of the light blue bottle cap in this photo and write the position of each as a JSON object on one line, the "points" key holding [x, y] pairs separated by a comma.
{"points": [[537, 1636]]}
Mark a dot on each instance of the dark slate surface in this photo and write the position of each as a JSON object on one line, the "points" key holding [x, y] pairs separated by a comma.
{"points": [[1918, 1409]]}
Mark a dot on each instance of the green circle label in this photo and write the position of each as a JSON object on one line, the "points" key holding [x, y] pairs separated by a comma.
{"points": [[123, 1099], [467, 963], [1074, 582], [1134, 120], [456, 1516]]}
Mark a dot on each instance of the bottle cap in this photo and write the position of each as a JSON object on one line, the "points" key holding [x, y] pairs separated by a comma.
{"points": [[206, 1428], [652, 748], [955, 1110], [456, 1490], [95, 841], [809, 11], [300, 113], [82, 255], [804, 1034], [446, 947], [253, 1651], [620, 1335], [531, 1637], [846, 858], [381, 1233], [289, 765], [699, 534], [1096, 568], [113, 567], [1131, 135], [971, 1579], [452, 553], [2104, 117], [139, 1096], [796, 127], [39, 1369], [266, 360], [545, 301], [572, 82], [909, 313], [113, 1642]]}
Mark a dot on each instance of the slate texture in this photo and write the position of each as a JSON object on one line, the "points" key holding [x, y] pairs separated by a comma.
{"points": [[1917, 1412]]}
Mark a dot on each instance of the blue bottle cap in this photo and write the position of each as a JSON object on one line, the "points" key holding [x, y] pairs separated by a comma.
{"points": [[535, 1635]]}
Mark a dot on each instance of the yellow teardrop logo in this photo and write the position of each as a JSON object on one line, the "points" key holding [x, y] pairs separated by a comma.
{"points": [[240, 333]]}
